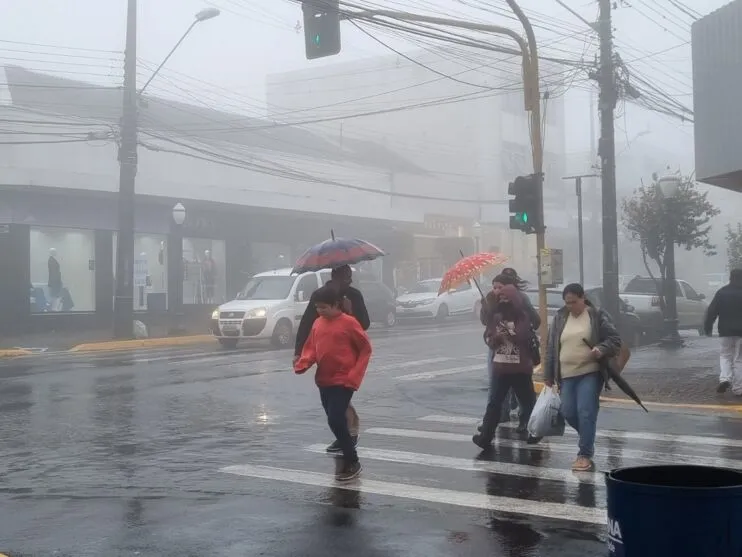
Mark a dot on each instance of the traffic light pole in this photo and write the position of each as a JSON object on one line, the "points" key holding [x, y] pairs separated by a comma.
{"points": [[532, 95], [533, 104]]}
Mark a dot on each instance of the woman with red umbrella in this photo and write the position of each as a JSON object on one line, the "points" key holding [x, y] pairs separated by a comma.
{"points": [[509, 332]]}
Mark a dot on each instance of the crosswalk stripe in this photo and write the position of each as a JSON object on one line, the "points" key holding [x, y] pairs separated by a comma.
{"points": [[545, 445], [407, 364], [608, 433], [438, 373], [559, 511], [465, 464]]}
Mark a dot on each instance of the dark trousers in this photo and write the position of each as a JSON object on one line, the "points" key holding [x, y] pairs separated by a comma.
{"points": [[335, 401], [522, 385]]}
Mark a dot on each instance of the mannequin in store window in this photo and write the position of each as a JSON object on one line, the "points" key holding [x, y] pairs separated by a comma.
{"points": [[55, 280], [208, 277]]}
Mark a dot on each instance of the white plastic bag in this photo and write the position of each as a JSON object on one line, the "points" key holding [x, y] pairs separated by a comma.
{"points": [[547, 419]]}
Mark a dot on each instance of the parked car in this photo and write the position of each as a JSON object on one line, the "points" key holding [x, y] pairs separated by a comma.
{"points": [[643, 294], [268, 308], [423, 301], [380, 302]]}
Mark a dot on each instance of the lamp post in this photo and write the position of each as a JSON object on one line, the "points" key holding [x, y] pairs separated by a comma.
{"points": [[477, 232], [123, 304], [668, 188], [179, 217]]}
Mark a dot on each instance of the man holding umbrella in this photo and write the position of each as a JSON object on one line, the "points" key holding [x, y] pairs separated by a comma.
{"points": [[353, 304]]}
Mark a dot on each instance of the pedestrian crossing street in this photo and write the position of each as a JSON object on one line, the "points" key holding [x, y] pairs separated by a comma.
{"points": [[431, 460]]}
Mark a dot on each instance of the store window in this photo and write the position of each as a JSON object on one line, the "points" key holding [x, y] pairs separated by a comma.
{"points": [[62, 270], [150, 271], [204, 271]]}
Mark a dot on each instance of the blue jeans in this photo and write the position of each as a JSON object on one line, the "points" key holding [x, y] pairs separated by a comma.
{"points": [[580, 404]]}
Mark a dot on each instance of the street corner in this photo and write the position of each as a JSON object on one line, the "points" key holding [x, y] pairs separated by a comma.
{"points": [[13, 353], [161, 342]]}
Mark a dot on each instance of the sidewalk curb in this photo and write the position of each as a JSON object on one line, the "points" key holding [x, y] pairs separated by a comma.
{"points": [[13, 353], [539, 386], [164, 342]]}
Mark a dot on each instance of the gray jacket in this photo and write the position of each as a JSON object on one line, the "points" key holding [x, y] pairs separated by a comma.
{"points": [[604, 336]]}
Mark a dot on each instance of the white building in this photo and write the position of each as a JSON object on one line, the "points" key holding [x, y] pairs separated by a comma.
{"points": [[472, 139]]}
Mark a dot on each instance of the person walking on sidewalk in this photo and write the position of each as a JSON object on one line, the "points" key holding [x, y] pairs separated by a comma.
{"points": [[726, 306], [509, 332], [341, 349], [576, 368], [353, 304]]}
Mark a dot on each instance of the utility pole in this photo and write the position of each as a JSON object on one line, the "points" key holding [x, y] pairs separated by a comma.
{"points": [[580, 235], [123, 304], [533, 105], [607, 154]]}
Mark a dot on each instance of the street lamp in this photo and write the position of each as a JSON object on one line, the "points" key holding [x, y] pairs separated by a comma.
{"points": [[123, 303], [203, 15], [668, 188], [179, 217]]}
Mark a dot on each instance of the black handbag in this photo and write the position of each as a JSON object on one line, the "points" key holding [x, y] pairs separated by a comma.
{"points": [[534, 348]]}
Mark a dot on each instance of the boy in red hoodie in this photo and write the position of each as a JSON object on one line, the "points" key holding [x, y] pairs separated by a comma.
{"points": [[341, 349]]}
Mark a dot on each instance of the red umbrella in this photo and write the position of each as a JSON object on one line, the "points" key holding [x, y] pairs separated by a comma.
{"points": [[468, 268]]}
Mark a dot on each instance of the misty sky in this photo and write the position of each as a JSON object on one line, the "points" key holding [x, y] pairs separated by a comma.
{"points": [[233, 53]]}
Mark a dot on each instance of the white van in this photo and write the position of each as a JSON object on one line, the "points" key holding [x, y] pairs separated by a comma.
{"points": [[269, 307]]}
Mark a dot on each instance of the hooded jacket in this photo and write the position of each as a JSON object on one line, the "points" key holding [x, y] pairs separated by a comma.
{"points": [[508, 333], [490, 303], [727, 307]]}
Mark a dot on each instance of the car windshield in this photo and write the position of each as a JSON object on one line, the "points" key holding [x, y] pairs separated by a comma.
{"points": [[426, 286], [267, 288], [553, 299]]}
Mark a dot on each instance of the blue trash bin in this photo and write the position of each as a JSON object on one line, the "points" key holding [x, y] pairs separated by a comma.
{"points": [[674, 511]]}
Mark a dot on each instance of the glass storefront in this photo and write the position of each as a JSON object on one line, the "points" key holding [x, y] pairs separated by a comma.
{"points": [[204, 271], [150, 271], [62, 270]]}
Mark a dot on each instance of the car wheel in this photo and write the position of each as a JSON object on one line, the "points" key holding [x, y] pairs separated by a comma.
{"points": [[282, 334], [230, 343], [442, 312], [390, 320]]}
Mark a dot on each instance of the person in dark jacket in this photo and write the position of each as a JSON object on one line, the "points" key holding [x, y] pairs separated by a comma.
{"points": [[508, 276], [353, 304], [508, 334], [578, 370], [726, 306]]}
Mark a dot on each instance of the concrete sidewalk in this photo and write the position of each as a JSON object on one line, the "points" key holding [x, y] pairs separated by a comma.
{"points": [[688, 375], [96, 340]]}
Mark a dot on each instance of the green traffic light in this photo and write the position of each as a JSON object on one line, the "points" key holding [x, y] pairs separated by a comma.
{"points": [[525, 218], [316, 39]]}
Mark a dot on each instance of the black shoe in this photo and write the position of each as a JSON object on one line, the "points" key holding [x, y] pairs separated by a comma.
{"points": [[533, 440], [481, 442], [350, 471], [723, 387], [335, 448]]}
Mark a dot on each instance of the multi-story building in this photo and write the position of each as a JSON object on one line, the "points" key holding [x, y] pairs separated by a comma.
{"points": [[468, 131]]}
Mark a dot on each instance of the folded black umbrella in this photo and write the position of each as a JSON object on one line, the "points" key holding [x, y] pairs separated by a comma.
{"points": [[615, 376]]}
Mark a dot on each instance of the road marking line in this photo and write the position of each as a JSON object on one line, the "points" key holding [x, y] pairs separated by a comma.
{"points": [[440, 372], [608, 433], [545, 445], [510, 505], [403, 364], [467, 464]]}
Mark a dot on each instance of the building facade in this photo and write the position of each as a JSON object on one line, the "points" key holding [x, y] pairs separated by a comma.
{"points": [[470, 132]]}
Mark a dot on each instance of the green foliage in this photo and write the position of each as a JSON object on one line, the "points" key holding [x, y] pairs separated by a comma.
{"points": [[647, 217], [734, 246]]}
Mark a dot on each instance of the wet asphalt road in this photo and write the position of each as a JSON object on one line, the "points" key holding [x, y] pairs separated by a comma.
{"points": [[206, 452]]}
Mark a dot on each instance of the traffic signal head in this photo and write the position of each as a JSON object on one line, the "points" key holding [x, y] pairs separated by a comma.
{"points": [[525, 210], [321, 28]]}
